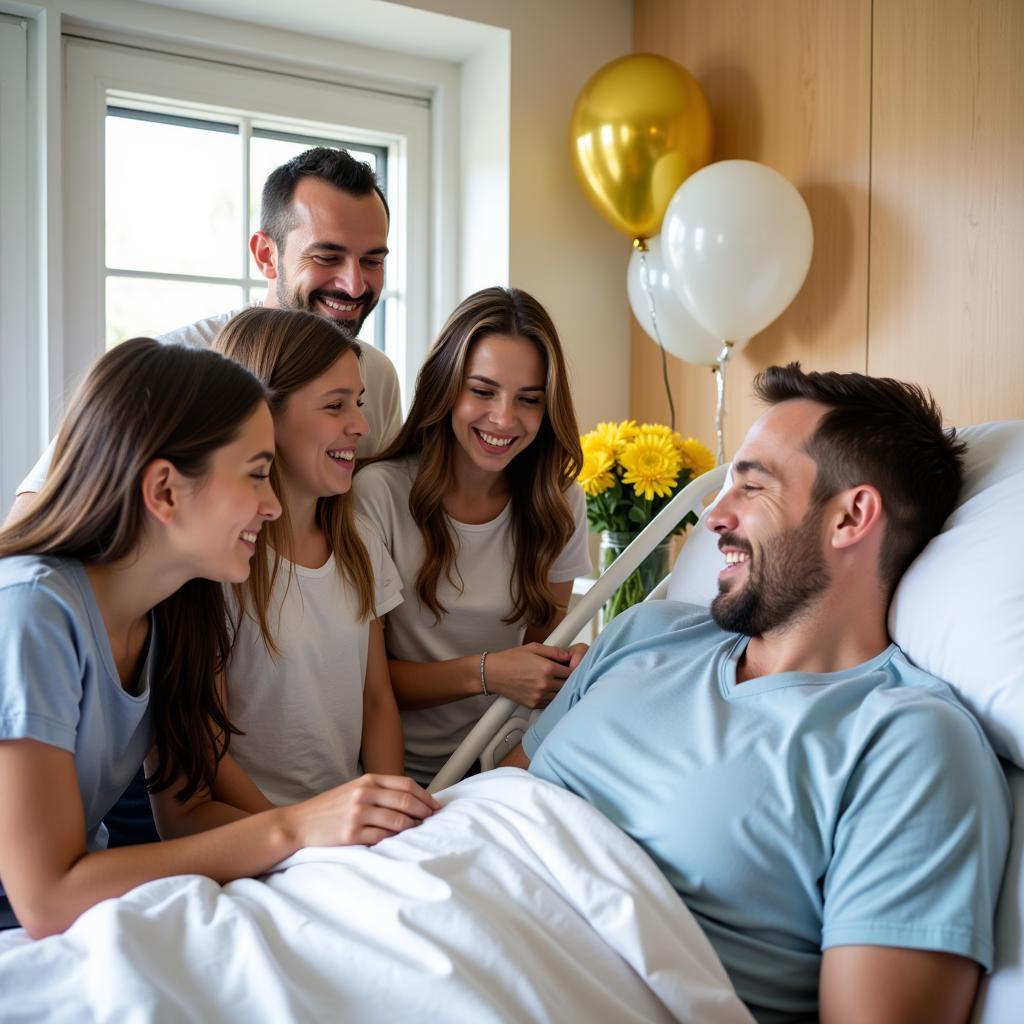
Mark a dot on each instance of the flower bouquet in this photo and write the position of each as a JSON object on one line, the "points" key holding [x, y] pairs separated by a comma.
{"points": [[630, 473]]}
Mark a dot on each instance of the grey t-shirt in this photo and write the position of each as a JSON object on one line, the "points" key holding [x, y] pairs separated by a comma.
{"points": [[59, 684], [382, 401]]}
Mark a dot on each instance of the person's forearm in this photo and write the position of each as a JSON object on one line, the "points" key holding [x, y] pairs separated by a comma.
{"points": [[207, 815], [427, 684], [239, 849], [382, 750]]}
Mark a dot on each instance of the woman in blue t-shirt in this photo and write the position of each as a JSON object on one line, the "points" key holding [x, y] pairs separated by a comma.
{"points": [[113, 635]]}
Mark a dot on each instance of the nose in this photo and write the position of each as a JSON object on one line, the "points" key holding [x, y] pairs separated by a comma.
{"points": [[359, 425], [349, 278], [722, 518], [269, 507], [502, 412]]}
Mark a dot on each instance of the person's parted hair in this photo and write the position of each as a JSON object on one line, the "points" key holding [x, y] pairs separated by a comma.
{"points": [[542, 522], [335, 166], [286, 349], [143, 401], [882, 432]]}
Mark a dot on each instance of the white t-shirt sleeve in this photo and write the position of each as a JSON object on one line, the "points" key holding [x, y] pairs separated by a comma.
{"points": [[33, 483], [382, 401], [387, 584], [575, 557]]}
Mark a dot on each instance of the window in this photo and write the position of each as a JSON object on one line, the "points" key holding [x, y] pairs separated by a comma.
{"points": [[169, 155], [171, 177]]}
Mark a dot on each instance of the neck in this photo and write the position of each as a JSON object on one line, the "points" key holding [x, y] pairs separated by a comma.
{"points": [[308, 543], [825, 639], [470, 482]]}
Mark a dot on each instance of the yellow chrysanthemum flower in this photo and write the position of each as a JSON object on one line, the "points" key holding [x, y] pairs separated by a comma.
{"points": [[695, 457], [652, 463], [596, 474], [612, 436], [659, 429]]}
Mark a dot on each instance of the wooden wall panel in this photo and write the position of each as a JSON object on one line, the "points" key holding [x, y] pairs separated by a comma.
{"points": [[947, 202], [789, 85]]}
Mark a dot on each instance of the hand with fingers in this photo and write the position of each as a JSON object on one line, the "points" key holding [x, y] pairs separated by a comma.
{"points": [[361, 812], [530, 675]]}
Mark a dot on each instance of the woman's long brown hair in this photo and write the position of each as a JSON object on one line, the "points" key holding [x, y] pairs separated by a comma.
{"points": [[287, 349], [144, 401], [538, 478]]}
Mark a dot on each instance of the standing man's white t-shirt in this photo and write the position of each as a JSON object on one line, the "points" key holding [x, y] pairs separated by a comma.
{"points": [[473, 622], [382, 401]]}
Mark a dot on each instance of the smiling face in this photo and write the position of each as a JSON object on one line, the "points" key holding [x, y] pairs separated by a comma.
{"points": [[500, 408], [318, 429], [768, 528], [332, 263], [223, 511]]}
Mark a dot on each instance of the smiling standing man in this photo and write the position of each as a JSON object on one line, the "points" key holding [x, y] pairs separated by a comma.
{"points": [[322, 246], [832, 816]]}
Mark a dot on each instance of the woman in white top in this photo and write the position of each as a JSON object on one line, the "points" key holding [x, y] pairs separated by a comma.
{"points": [[308, 680], [477, 504]]}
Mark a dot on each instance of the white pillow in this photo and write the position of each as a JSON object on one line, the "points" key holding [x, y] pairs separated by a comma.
{"points": [[959, 610]]}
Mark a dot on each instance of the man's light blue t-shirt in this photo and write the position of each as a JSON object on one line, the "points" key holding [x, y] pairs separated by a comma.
{"points": [[59, 684], [792, 812]]}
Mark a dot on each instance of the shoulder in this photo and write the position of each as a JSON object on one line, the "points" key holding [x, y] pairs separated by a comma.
{"points": [[391, 477], [375, 360], [685, 622], [199, 334], [30, 584]]}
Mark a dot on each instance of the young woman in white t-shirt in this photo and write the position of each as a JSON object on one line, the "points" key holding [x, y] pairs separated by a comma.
{"points": [[112, 633], [477, 504], [308, 680]]}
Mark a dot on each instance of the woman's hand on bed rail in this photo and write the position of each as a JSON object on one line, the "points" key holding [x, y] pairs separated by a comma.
{"points": [[362, 812], [533, 674]]}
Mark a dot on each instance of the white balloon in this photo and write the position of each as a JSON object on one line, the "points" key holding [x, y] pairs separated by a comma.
{"points": [[737, 241], [680, 333]]}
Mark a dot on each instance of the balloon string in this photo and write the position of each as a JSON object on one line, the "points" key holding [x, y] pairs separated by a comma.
{"points": [[649, 292], [719, 371]]}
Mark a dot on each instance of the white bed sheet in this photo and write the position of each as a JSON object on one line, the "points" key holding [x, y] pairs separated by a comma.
{"points": [[517, 902]]}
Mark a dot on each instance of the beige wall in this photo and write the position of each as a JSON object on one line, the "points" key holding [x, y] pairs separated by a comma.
{"points": [[902, 124], [560, 249]]}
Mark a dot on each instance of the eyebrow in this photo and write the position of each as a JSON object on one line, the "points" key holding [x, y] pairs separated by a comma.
{"points": [[495, 384], [344, 392], [261, 456], [753, 466], [381, 250]]}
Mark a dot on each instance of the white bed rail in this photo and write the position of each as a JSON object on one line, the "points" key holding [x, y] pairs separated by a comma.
{"points": [[690, 499]]}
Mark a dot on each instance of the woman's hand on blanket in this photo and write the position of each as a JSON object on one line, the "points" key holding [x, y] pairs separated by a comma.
{"points": [[530, 675], [361, 812], [576, 653]]}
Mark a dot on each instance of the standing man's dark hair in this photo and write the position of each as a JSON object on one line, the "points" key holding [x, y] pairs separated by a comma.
{"points": [[882, 432], [335, 166]]}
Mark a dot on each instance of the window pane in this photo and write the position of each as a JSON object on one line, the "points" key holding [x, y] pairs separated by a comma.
{"points": [[172, 198], [145, 307]]}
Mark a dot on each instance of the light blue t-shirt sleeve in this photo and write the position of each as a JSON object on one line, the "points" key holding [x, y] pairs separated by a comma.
{"points": [[40, 677], [921, 844]]}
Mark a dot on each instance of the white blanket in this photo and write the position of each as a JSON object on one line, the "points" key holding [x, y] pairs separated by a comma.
{"points": [[517, 902]]}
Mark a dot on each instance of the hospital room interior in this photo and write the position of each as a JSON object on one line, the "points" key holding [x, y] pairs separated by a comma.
{"points": [[580, 246]]}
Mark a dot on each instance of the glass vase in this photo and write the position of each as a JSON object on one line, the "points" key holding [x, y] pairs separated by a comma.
{"points": [[651, 571]]}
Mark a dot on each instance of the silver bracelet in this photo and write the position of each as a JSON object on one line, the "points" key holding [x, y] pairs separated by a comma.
{"points": [[483, 678]]}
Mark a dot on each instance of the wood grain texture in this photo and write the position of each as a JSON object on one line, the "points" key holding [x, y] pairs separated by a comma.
{"points": [[947, 203], [788, 82]]}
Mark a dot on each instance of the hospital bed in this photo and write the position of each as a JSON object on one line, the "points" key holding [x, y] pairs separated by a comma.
{"points": [[518, 901], [958, 612]]}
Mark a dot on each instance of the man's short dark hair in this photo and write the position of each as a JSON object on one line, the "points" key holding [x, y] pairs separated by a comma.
{"points": [[882, 432], [335, 166]]}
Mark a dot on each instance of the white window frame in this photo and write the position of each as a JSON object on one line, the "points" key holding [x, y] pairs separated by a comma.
{"points": [[97, 73], [19, 370]]}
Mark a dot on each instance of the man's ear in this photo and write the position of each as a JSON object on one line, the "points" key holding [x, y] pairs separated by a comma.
{"points": [[857, 514], [264, 252], [161, 489]]}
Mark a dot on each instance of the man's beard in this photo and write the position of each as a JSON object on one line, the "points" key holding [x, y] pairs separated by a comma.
{"points": [[790, 572], [292, 298]]}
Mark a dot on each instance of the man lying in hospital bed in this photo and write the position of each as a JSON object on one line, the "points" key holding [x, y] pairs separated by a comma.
{"points": [[802, 785], [519, 902]]}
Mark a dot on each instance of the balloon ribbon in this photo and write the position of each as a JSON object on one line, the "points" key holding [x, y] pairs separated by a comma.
{"points": [[641, 246], [719, 371]]}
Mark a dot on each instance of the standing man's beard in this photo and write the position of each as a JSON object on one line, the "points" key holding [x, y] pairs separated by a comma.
{"points": [[292, 298], [789, 573]]}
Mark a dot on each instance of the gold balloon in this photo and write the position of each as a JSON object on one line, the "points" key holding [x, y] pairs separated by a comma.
{"points": [[639, 128]]}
